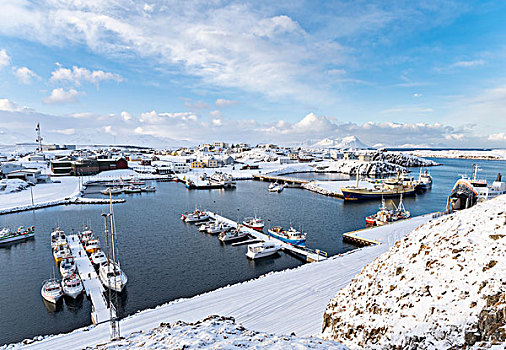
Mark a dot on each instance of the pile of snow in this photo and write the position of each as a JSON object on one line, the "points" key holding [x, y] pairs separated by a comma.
{"points": [[12, 185], [348, 142], [403, 159], [496, 154], [214, 332], [442, 286]]}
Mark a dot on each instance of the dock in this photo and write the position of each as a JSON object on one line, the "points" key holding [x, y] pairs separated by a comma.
{"points": [[281, 179], [309, 254], [94, 289]]}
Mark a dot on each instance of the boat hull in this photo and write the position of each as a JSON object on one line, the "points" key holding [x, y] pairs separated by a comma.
{"points": [[352, 194], [297, 242], [19, 238]]}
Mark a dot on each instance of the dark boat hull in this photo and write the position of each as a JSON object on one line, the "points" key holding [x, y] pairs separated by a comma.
{"points": [[354, 195]]}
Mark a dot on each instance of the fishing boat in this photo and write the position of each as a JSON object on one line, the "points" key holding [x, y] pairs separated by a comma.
{"points": [[255, 223], [112, 276], [385, 216], [196, 216], [262, 250], [21, 234], [232, 235], [57, 236], [85, 235], [67, 266], [112, 190], [291, 236], [132, 189], [148, 189], [219, 178], [98, 258], [72, 286], [52, 290], [468, 191], [275, 187], [137, 182], [204, 227], [61, 250], [388, 188], [424, 180], [92, 246], [217, 228]]}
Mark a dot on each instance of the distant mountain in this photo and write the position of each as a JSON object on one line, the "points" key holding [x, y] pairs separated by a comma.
{"points": [[343, 143]]}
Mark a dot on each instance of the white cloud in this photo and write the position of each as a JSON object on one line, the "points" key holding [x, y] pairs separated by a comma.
{"points": [[69, 131], [5, 60], [221, 102], [407, 109], [217, 122], [25, 75], [215, 113], [62, 96], [126, 116], [77, 75], [417, 95], [10, 106], [466, 64], [457, 137], [501, 136]]}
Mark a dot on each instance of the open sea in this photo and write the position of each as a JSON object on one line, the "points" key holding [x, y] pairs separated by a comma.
{"points": [[166, 259]]}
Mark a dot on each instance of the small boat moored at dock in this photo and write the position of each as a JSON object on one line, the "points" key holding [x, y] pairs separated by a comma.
{"points": [[98, 258], [51, 290], [385, 216], [291, 236], [233, 235], [67, 266], [92, 246], [196, 216], [22, 234], [112, 276], [276, 187], [255, 223], [72, 286], [262, 250]]}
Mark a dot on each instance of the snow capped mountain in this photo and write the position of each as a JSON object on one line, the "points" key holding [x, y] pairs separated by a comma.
{"points": [[342, 143], [441, 287]]}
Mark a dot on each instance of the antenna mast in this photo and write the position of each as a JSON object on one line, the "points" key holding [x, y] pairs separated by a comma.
{"points": [[39, 138]]}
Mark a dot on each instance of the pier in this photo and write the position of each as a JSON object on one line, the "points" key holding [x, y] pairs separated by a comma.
{"points": [[94, 289], [309, 254], [281, 179]]}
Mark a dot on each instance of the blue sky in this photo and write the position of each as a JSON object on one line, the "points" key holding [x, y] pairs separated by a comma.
{"points": [[393, 73]]}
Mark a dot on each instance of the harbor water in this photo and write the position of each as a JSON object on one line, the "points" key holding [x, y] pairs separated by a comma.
{"points": [[166, 259]]}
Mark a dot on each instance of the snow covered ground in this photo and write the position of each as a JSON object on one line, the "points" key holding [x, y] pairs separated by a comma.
{"points": [[215, 332], [498, 154], [441, 287], [280, 302]]}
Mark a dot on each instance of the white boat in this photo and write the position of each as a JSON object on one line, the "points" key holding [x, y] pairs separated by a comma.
{"points": [[57, 236], [222, 179], [22, 234], [424, 180], [61, 250], [204, 227], [85, 235], [67, 266], [255, 223], [98, 258], [132, 189], [217, 228], [112, 190], [232, 235], [148, 189], [196, 216], [275, 187], [51, 290], [261, 250], [72, 286], [92, 246], [112, 277]]}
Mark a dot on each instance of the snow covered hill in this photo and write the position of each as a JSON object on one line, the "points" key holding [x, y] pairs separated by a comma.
{"points": [[403, 159], [443, 286], [215, 332], [341, 143]]}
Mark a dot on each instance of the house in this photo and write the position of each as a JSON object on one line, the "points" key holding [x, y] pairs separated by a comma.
{"points": [[228, 160], [293, 156], [336, 155], [197, 165], [180, 167], [28, 175], [220, 145], [210, 162], [8, 167], [285, 160]]}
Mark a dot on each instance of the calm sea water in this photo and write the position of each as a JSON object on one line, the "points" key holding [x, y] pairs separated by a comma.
{"points": [[166, 259]]}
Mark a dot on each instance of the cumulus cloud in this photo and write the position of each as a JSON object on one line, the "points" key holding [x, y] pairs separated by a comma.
{"points": [[77, 75], [62, 96], [221, 102], [501, 136], [10, 106], [5, 60], [126, 116], [25, 75]]}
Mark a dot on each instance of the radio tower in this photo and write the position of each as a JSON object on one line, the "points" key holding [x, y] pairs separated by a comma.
{"points": [[39, 139]]}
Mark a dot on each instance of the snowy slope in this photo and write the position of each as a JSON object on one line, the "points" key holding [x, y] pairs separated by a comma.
{"points": [[442, 286], [215, 332], [341, 143]]}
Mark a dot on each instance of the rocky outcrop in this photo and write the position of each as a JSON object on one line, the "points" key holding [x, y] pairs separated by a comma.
{"points": [[441, 287], [402, 159]]}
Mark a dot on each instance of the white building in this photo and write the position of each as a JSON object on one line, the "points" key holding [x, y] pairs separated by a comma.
{"points": [[180, 167]]}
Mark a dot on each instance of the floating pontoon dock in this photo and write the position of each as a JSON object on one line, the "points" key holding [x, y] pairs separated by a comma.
{"points": [[281, 179], [309, 254], [100, 313]]}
